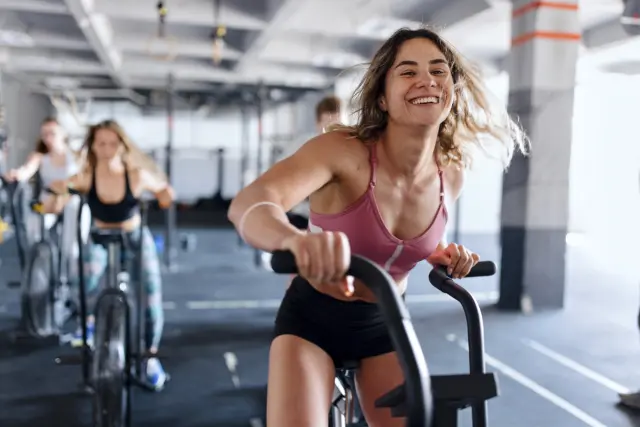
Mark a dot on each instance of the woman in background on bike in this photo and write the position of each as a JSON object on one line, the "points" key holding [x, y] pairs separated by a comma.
{"points": [[52, 160], [114, 175]]}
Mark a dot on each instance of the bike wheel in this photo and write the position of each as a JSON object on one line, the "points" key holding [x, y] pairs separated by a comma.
{"points": [[110, 402], [41, 315]]}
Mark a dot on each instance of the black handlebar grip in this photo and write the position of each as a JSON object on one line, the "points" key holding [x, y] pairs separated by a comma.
{"points": [[70, 190], [284, 262], [483, 269]]}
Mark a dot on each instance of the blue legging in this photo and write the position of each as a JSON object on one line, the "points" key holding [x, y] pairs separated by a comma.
{"points": [[95, 263]]}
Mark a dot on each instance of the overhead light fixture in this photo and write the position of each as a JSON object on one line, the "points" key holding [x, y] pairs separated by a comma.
{"points": [[61, 83]]}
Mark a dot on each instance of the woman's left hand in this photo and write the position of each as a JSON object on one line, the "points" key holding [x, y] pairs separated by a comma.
{"points": [[458, 260]]}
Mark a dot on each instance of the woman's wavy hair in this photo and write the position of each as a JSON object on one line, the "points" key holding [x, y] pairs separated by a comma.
{"points": [[133, 156], [41, 147], [472, 123]]}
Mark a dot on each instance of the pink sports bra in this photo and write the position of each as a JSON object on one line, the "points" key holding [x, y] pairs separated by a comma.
{"points": [[369, 236]]}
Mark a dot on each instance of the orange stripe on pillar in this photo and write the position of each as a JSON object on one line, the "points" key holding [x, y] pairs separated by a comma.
{"points": [[549, 35], [540, 4]]}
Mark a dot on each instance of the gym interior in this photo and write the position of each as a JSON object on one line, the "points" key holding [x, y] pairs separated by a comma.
{"points": [[218, 91]]}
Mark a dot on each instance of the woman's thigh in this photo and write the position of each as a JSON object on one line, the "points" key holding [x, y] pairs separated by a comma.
{"points": [[301, 381], [377, 376]]}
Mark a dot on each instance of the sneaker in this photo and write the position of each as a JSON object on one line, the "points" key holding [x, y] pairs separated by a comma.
{"points": [[76, 340], [156, 375], [632, 400]]}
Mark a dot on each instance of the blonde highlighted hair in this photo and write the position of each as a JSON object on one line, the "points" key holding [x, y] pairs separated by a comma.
{"points": [[473, 123], [133, 156]]}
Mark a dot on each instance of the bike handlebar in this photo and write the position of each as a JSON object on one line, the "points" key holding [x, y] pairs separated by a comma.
{"points": [[70, 190], [418, 382]]}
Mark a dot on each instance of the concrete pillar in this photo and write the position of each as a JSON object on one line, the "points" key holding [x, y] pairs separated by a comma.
{"points": [[535, 194]]}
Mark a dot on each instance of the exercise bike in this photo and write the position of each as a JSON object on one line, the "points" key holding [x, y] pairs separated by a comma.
{"points": [[12, 212], [425, 401], [115, 364], [47, 302]]}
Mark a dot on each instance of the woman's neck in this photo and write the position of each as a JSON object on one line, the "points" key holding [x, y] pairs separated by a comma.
{"points": [[57, 149], [115, 165], [409, 152]]}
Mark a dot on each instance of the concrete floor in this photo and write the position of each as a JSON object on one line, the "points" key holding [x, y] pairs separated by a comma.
{"points": [[555, 369]]}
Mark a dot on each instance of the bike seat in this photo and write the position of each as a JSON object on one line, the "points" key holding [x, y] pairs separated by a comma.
{"points": [[107, 237]]}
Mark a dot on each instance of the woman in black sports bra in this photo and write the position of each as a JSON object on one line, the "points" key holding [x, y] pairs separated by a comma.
{"points": [[114, 175]]}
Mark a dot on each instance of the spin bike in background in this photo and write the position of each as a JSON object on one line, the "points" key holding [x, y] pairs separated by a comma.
{"points": [[116, 362], [424, 400], [13, 196], [47, 300]]}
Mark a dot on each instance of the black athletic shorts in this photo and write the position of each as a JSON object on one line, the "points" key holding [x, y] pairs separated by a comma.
{"points": [[346, 331]]}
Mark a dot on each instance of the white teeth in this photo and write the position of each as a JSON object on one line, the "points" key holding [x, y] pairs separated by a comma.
{"points": [[426, 100]]}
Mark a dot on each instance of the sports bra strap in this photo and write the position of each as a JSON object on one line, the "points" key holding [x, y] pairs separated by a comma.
{"points": [[373, 162], [441, 181]]}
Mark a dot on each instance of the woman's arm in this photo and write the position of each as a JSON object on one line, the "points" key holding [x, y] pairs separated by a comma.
{"points": [[30, 167], [55, 203], [159, 187], [259, 210]]}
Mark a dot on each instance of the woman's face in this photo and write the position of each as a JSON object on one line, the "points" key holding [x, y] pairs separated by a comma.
{"points": [[106, 144], [419, 85], [51, 134]]}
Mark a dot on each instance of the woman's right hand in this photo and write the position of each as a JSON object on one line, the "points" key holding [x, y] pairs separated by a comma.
{"points": [[322, 259]]}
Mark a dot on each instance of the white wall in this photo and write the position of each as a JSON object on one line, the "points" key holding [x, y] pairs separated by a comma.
{"points": [[24, 113], [605, 168]]}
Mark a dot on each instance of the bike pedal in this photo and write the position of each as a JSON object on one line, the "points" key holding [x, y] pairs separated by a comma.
{"points": [[71, 359]]}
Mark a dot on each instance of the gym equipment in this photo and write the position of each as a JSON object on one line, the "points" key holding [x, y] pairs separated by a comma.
{"points": [[13, 213], [424, 401], [170, 214], [46, 298], [452, 393], [345, 408], [116, 362], [419, 407], [244, 145]]}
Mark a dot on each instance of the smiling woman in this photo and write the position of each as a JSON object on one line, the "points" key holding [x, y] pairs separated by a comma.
{"points": [[458, 90], [378, 189]]}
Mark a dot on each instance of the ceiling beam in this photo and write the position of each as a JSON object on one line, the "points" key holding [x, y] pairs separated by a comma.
{"points": [[281, 11], [604, 34], [97, 29], [200, 13], [39, 6], [181, 47]]}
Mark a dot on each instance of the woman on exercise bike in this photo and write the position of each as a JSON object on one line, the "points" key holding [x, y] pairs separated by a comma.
{"points": [[113, 177], [378, 189], [52, 158]]}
